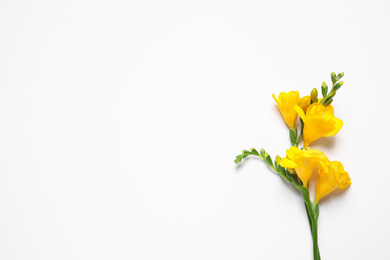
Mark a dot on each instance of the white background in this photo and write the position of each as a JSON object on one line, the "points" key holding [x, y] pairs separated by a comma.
{"points": [[120, 121]]}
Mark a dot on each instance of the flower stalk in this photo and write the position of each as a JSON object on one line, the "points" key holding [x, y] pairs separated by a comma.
{"points": [[317, 120], [313, 213]]}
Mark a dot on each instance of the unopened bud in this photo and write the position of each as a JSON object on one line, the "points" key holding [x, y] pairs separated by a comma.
{"points": [[340, 75], [324, 89], [338, 85], [304, 103], [314, 95], [278, 159], [334, 77], [262, 152]]}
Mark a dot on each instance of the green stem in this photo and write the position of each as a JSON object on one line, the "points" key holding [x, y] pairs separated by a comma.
{"points": [[301, 135], [309, 219], [284, 176], [316, 251], [313, 212]]}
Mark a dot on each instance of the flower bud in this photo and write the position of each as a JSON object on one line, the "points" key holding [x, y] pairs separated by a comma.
{"points": [[314, 95], [334, 77], [338, 85], [304, 103], [324, 89], [278, 159], [340, 75]]}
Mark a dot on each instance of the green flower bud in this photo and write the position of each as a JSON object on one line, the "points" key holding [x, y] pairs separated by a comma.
{"points": [[338, 85], [314, 95], [254, 151], [278, 159], [334, 77], [324, 89]]}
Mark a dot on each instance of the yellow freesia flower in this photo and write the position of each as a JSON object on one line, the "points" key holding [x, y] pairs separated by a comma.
{"points": [[303, 161], [331, 177], [304, 103], [319, 122], [286, 103]]}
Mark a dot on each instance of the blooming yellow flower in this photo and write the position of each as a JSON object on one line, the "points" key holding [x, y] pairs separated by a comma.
{"points": [[286, 103], [331, 177], [319, 122], [303, 161], [304, 103]]}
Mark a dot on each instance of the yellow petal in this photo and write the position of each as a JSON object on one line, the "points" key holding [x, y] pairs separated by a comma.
{"points": [[286, 103], [273, 95], [300, 113], [292, 152], [335, 177], [303, 161], [288, 163], [338, 124], [320, 122]]}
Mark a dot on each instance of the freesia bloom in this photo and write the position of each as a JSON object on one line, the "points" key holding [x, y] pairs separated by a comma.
{"points": [[286, 103], [304, 103], [303, 161], [319, 122], [331, 177]]}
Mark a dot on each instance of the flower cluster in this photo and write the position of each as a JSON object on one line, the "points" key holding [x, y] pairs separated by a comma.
{"points": [[317, 120], [331, 175]]}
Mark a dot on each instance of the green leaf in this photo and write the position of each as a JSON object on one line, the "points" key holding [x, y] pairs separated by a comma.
{"points": [[294, 178], [269, 160], [238, 159], [281, 170], [245, 153], [262, 152], [288, 174], [328, 100], [293, 136], [316, 209]]}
